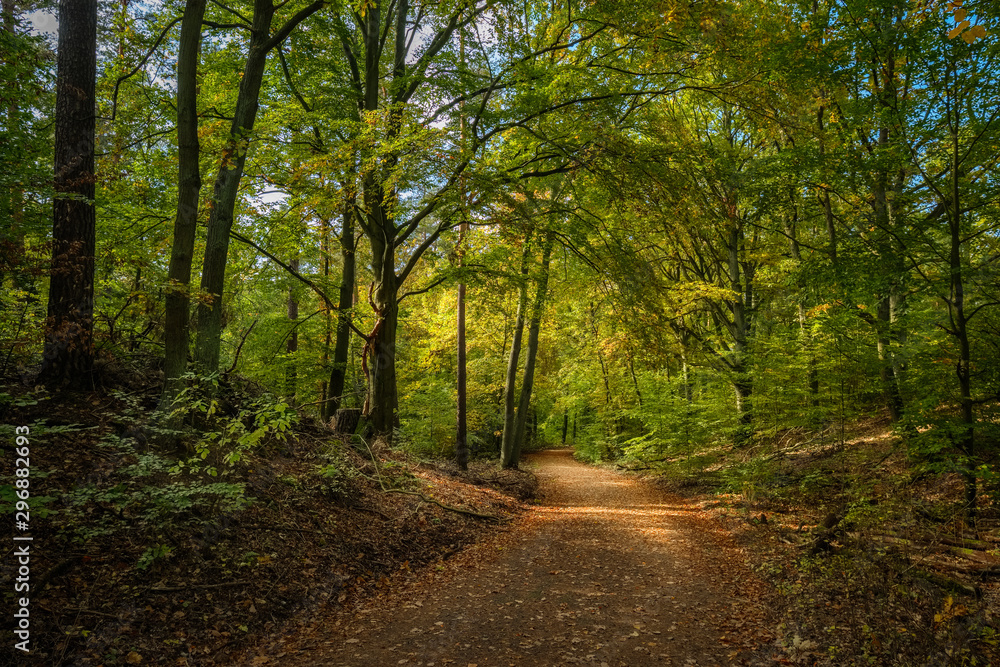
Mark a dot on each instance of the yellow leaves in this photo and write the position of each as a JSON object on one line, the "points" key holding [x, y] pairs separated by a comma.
{"points": [[957, 30], [950, 611], [820, 309], [963, 24], [977, 32]]}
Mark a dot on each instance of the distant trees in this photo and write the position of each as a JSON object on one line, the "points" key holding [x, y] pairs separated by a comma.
{"points": [[767, 216]]}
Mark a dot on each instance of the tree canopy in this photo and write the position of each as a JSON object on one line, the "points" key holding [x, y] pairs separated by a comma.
{"points": [[715, 220]]}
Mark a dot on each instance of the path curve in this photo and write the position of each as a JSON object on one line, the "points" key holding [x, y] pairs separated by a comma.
{"points": [[608, 571]]}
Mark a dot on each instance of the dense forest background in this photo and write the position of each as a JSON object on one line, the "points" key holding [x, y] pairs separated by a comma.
{"points": [[666, 233], [716, 220]]}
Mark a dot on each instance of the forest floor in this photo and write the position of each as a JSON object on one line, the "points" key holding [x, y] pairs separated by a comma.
{"points": [[607, 570], [318, 550]]}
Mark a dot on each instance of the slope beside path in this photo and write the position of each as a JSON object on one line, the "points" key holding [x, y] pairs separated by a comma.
{"points": [[607, 571]]}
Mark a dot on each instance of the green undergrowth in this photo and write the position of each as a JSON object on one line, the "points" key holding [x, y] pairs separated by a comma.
{"points": [[181, 537]]}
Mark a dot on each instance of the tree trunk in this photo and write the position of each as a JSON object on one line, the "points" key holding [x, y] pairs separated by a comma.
{"points": [[325, 250], [461, 429], [600, 355], [791, 231], [177, 305], [69, 340], [381, 402], [741, 284], [507, 447], [521, 419], [292, 344], [345, 309], [227, 182], [686, 389], [461, 441], [565, 425], [887, 367], [12, 249], [635, 380], [959, 320]]}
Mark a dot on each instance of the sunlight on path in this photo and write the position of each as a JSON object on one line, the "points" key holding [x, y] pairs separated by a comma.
{"points": [[607, 572]]}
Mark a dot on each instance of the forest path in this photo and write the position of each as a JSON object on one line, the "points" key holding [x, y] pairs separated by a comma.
{"points": [[608, 571]]}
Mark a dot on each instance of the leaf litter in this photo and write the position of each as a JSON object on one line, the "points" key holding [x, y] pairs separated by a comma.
{"points": [[606, 570]]}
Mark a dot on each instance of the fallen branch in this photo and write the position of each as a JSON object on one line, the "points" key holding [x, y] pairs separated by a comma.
{"points": [[172, 589], [949, 584], [362, 508], [281, 529], [77, 610], [450, 508]]}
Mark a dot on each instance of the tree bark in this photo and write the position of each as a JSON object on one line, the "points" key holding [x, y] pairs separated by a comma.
{"points": [[292, 343], [507, 449], [69, 341], [382, 399], [345, 308], [461, 441], [177, 303], [521, 419], [959, 319], [741, 283], [12, 248], [227, 182], [461, 429]]}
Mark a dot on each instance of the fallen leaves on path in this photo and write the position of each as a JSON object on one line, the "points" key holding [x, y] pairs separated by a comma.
{"points": [[607, 571]]}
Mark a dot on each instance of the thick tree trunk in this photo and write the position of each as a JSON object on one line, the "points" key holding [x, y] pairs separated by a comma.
{"points": [[565, 428], [507, 447], [381, 402], [69, 336], [521, 419], [177, 303]]}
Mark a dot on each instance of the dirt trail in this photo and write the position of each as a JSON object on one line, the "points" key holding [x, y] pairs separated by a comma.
{"points": [[608, 571]]}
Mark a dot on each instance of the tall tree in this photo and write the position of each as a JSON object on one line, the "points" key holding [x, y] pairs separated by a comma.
{"points": [[231, 166], [508, 446], [345, 304], [69, 341], [527, 385], [177, 302]]}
